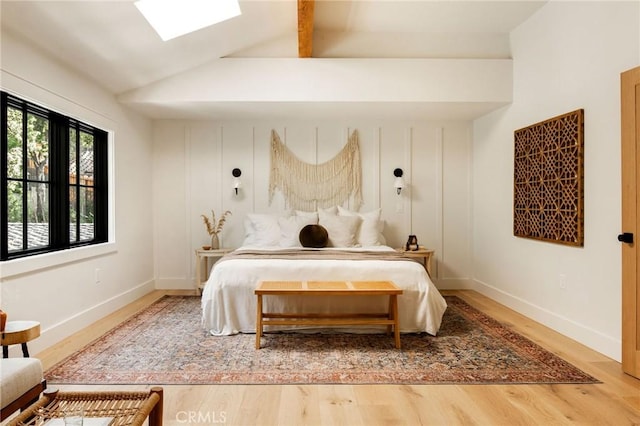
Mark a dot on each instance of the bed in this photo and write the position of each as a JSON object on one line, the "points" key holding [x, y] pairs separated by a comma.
{"points": [[228, 299]]}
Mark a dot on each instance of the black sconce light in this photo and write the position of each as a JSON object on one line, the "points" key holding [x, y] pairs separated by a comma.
{"points": [[237, 183], [398, 183]]}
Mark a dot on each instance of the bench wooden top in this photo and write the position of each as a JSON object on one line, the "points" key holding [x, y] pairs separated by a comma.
{"points": [[333, 288]]}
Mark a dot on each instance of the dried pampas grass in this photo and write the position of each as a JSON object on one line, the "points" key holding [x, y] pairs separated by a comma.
{"points": [[214, 228]]}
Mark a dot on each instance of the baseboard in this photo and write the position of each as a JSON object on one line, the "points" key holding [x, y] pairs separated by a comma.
{"points": [[454, 283], [58, 332], [593, 339]]}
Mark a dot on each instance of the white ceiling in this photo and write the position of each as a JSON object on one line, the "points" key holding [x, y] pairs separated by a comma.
{"points": [[111, 43]]}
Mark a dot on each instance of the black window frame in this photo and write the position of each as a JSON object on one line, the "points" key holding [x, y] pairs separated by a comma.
{"points": [[59, 183]]}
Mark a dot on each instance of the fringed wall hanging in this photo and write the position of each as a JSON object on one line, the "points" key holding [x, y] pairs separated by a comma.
{"points": [[548, 180], [308, 186]]}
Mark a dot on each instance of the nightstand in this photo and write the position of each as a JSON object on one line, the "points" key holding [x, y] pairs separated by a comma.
{"points": [[203, 256], [422, 253]]}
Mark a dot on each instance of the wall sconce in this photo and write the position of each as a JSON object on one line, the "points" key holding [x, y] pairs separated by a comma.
{"points": [[237, 183], [398, 184]]}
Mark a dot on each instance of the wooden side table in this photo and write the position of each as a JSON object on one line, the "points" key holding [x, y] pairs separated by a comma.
{"points": [[19, 333], [203, 256], [422, 253]]}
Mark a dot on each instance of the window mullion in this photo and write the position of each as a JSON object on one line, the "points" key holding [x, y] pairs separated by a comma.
{"points": [[25, 187], [77, 183], [100, 187], [59, 181]]}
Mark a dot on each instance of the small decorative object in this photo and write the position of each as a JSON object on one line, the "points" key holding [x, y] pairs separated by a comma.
{"points": [[214, 228], [548, 189], [412, 243], [314, 236], [73, 416]]}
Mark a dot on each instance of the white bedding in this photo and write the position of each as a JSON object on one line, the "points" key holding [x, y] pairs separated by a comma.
{"points": [[229, 302]]}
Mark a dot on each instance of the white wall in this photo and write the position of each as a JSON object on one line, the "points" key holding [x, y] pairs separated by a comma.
{"points": [[192, 175], [59, 290], [569, 55]]}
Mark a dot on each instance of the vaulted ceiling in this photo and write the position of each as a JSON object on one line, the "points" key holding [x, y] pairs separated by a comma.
{"points": [[111, 43]]}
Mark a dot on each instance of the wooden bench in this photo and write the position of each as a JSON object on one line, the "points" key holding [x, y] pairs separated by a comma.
{"points": [[328, 288]]}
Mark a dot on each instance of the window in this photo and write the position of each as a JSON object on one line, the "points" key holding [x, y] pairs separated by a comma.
{"points": [[54, 181]]}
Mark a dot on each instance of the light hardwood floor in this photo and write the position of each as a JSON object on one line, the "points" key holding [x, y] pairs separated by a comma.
{"points": [[614, 402]]}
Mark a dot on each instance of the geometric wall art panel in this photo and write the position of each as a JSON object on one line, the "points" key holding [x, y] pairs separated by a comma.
{"points": [[548, 193]]}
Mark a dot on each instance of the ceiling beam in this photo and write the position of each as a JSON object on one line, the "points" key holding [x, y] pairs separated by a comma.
{"points": [[305, 28]]}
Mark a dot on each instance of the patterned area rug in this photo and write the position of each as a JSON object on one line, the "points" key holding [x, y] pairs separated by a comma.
{"points": [[165, 344]]}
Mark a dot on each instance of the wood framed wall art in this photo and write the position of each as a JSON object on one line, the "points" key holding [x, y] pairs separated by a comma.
{"points": [[548, 194]]}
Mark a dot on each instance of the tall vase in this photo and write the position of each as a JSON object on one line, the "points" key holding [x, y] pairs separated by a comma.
{"points": [[215, 243]]}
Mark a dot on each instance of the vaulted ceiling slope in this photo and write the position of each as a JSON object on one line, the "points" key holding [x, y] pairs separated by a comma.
{"points": [[111, 43]]}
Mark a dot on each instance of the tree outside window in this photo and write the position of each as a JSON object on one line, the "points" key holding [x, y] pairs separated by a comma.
{"points": [[35, 149]]}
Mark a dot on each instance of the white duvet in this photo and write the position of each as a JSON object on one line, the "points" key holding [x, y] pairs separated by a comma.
{"points": [[229, 302]]}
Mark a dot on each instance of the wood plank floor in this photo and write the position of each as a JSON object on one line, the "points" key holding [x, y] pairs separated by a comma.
{"points": [[614, 402]]}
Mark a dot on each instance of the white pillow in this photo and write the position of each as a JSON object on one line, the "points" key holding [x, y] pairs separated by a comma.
{"points": [[342, 230], [262, 230], [370, 231], [290, 229]]}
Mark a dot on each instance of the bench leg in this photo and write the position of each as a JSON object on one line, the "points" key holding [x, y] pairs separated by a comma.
{"points": [[258, 321], [396, 320], [390, 314]]}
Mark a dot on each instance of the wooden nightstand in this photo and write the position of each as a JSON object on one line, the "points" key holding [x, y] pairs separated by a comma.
{"points": [[203, 256], [422, 253]]}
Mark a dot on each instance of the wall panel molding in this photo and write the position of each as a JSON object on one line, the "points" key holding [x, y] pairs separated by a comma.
{"points": [[188, 204], [407, 193], [439, 198], [212, 149], [377, 136]]}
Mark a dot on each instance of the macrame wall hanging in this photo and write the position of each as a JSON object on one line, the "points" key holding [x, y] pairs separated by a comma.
{"points": [[308, 186]]}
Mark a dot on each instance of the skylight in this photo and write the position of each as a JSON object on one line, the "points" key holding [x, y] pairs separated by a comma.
{"points": [[173, 18]]}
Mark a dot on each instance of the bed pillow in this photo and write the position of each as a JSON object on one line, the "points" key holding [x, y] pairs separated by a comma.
{"points": [[262, 230], [315, 236], [370, 230], [343, 230], [290, 229]]}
